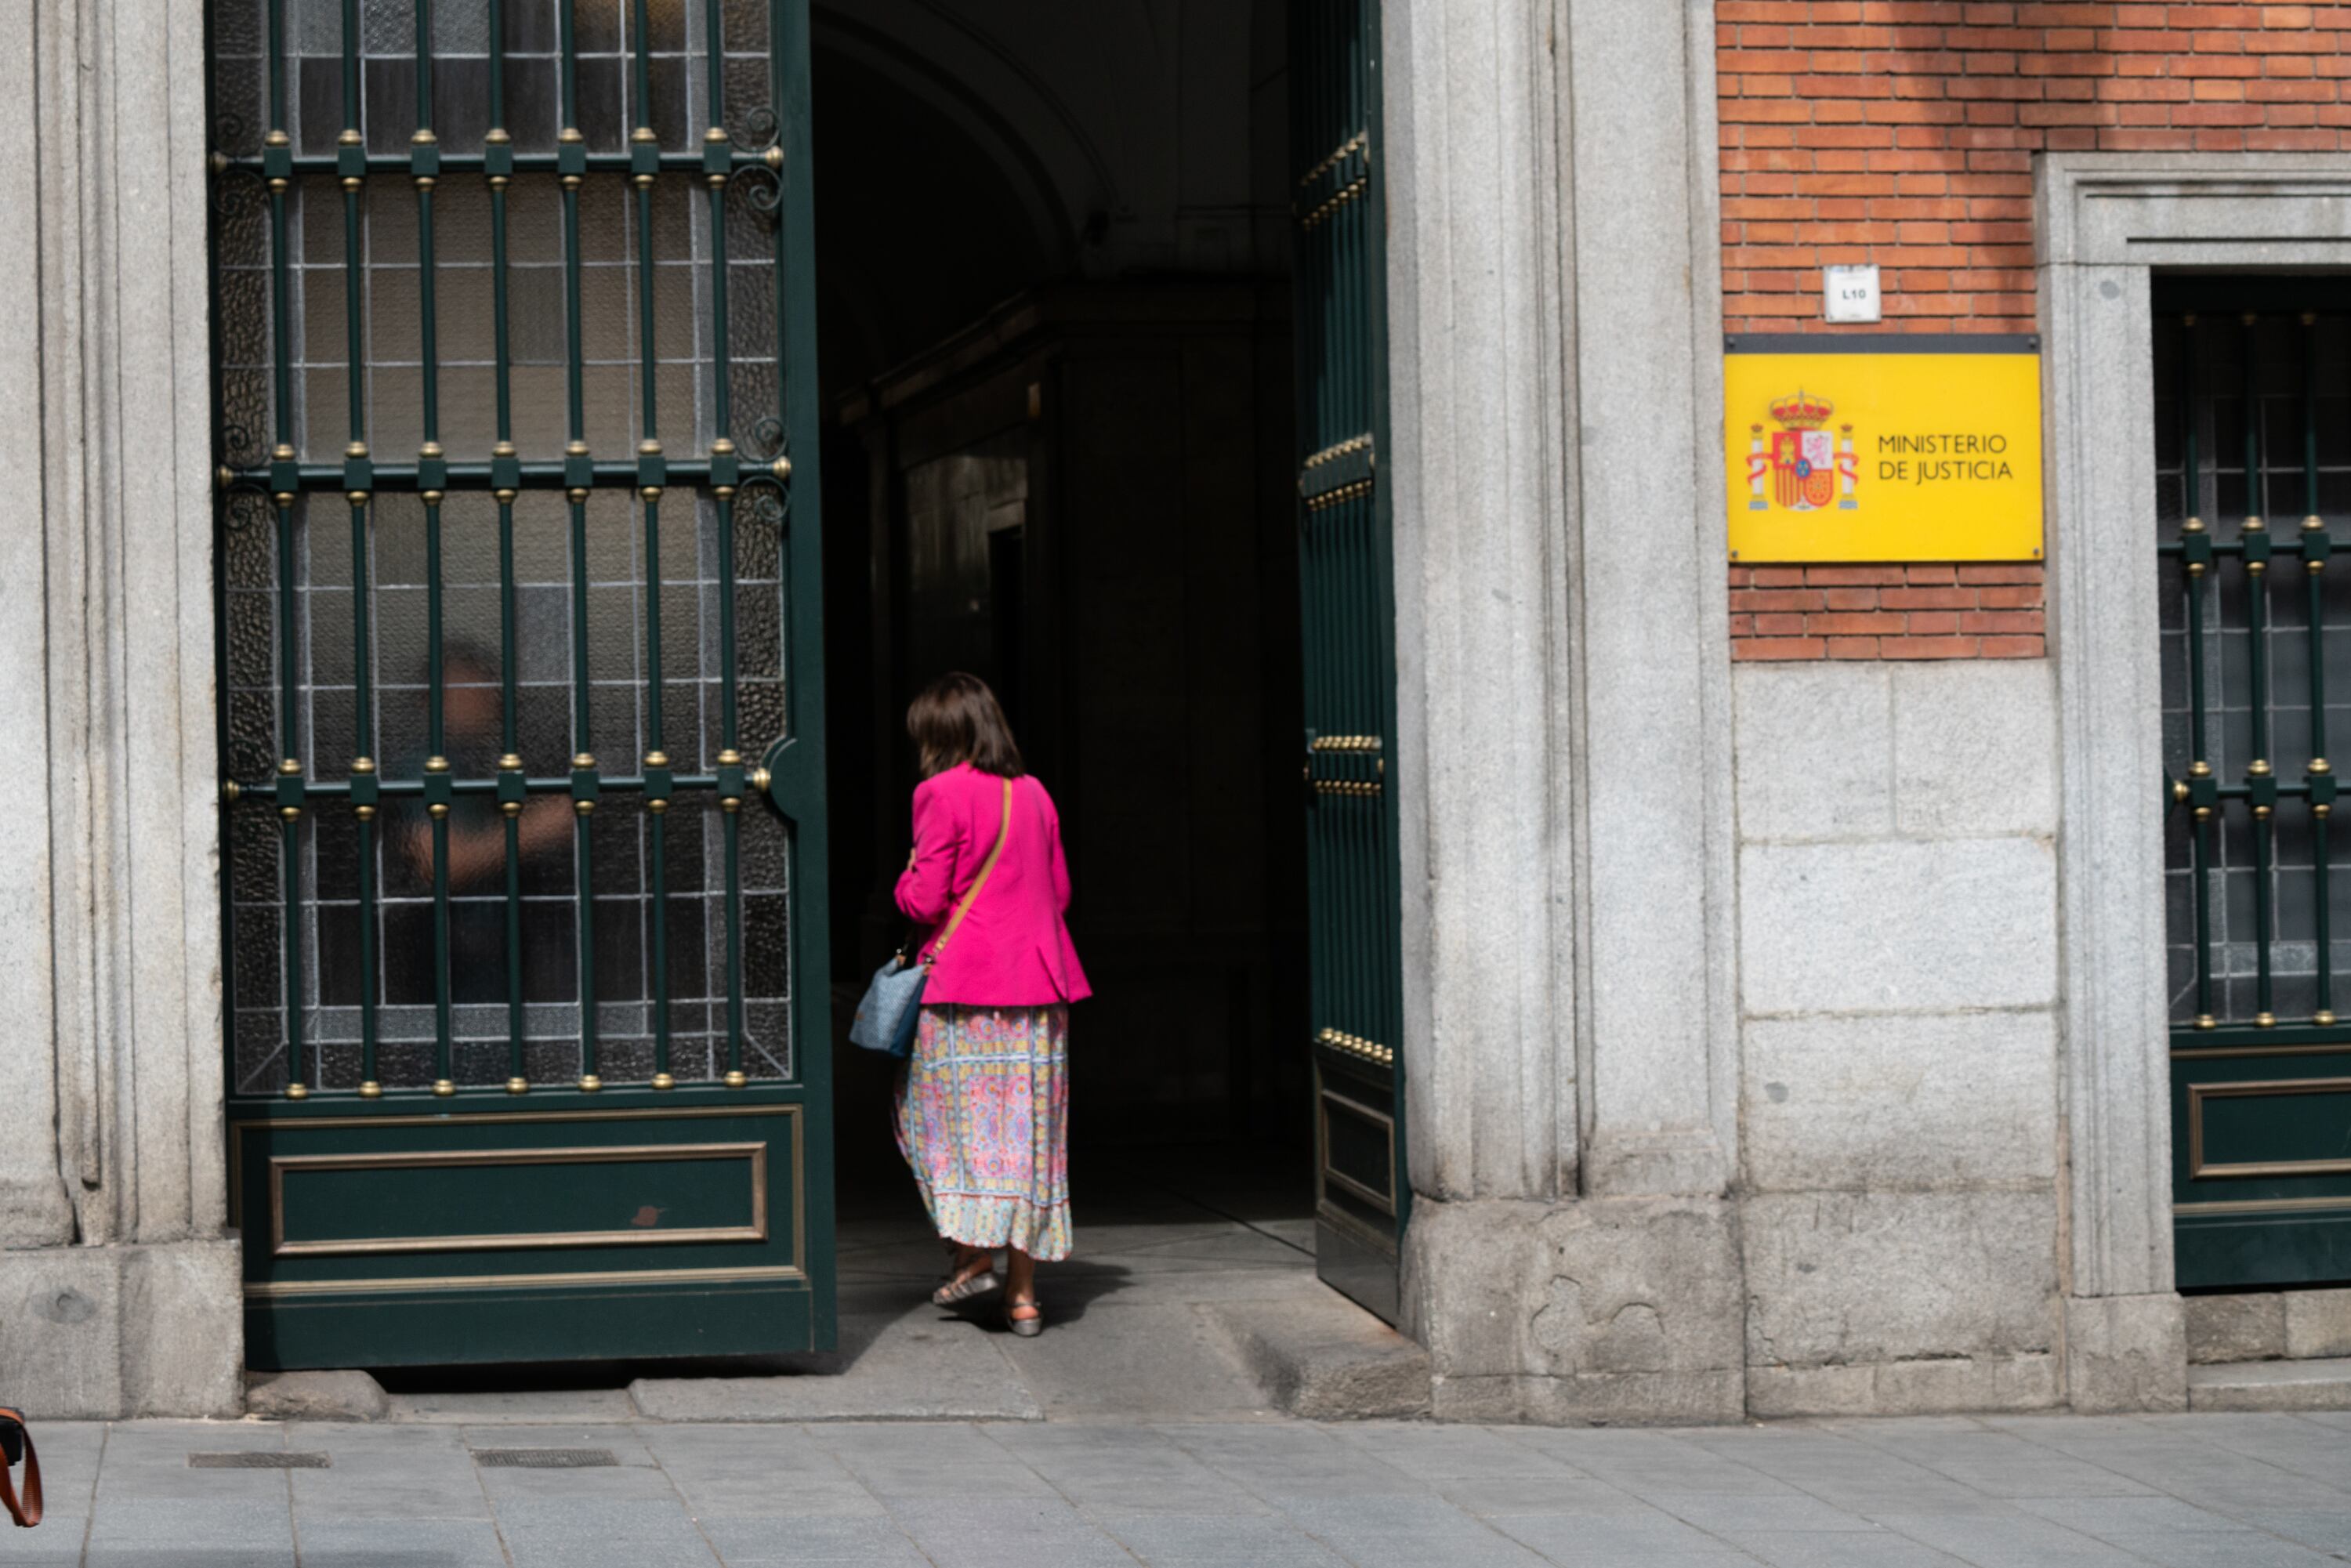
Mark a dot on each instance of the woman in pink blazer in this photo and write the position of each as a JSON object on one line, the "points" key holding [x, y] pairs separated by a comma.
{"points": [[983, 1106]]}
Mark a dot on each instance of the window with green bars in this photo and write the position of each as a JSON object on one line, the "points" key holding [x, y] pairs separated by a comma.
{"points": [[500, 424], [2253, 401]]}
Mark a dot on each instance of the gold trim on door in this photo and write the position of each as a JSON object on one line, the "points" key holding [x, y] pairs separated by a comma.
{"points": [[2279, 1087], [1330, 1175], [753, 1155], [263, 1289], [236, 1131]]}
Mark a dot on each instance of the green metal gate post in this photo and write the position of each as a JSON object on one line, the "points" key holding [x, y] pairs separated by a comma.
{"points": [[1348, 621]]}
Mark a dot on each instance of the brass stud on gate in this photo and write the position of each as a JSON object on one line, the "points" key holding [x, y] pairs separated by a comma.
{"points": [[370, 1090], [2265, 1020], [2323, 1018], [443, 1088], [298, 1091], [590, 1085], [663, 1080], [517, 1085], [730, 758], [735, 1079], [2206, 1020]]}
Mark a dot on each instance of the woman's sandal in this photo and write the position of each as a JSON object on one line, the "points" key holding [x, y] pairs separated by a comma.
{"points": [[1027, 1327], [963, 1287]]}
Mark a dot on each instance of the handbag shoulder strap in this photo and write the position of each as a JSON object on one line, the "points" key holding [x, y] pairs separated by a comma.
{"points": [[962, 906], [28, 1512]]}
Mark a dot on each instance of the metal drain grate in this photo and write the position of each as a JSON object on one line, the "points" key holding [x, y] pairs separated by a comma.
{"points": [[544, 1459], [258, 1460]]}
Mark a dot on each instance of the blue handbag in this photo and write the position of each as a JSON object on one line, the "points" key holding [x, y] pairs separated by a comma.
{"points": [[892, 1003]]}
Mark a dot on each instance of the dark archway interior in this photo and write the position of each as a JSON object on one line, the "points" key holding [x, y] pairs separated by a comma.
{"points": [[1055, 349]]}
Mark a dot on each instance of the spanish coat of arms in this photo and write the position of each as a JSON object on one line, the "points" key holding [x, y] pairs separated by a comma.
{"points": [[1805, 466]]}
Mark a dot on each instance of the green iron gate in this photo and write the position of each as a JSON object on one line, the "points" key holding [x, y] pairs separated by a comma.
{"points": [[2253, 421], [529, 1036], [1348, 604]]}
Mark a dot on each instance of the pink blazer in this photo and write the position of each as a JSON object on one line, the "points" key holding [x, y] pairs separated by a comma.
{"points": [[1012, 950]]}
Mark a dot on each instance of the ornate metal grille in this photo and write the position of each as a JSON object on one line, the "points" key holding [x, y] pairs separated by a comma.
{"points": [[506, 575], [2253, 421]]}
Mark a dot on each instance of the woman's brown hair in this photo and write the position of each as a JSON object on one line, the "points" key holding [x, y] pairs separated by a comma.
{"points": [[957, 719]]}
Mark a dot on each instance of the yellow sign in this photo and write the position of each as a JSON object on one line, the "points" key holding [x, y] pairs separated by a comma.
{"points": [[1885, 447]]}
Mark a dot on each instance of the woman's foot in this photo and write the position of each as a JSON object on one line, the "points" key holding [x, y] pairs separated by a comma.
{"points": [[1024, 1316], [974, 1275]]}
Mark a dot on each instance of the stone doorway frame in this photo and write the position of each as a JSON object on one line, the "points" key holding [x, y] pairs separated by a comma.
{"points": [[2106, 222], [118, 1283]]}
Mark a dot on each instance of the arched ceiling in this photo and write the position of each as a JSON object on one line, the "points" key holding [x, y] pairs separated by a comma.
{"points": [[970, 148]]}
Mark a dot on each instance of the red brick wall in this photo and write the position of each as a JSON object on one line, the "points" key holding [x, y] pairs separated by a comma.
{"points": [[1902, 132], [1967, 611]]}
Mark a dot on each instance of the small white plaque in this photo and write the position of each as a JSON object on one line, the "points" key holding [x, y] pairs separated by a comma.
{"points": [[1852, 292]]}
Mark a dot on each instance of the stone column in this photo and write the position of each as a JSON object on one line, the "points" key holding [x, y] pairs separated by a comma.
{"points": [[1481, 472], [1659, 984], [118, 1290], [1554, 325]]}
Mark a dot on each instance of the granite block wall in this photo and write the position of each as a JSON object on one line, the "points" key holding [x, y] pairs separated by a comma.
{"points": [[1899, 1203]]}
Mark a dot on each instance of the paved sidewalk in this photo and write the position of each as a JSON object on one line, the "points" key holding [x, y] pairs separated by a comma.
{"points": [[2211, 1491]]}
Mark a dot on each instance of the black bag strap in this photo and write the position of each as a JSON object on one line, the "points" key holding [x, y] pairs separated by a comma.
{"points": [[27, 1512]]}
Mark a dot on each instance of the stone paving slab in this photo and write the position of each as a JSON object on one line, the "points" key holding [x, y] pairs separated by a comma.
{"points": [[922, 1366], [2233, 1491]]}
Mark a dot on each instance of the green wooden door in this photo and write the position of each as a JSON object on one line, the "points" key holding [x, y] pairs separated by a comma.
{"points": [[2254, 451], [522, 827], [1348, 605]]}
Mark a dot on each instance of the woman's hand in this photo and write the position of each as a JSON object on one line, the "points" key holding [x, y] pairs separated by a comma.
{"points": [[910, 858]]}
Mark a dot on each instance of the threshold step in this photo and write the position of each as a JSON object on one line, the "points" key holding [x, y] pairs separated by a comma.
{"points": [[2318, 1384], [1327, 1359]]}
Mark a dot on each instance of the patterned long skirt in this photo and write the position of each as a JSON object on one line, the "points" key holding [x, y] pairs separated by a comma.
{"points": [[983, 1118]]}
